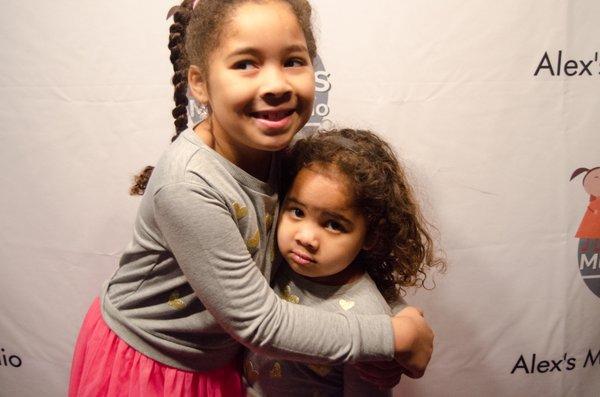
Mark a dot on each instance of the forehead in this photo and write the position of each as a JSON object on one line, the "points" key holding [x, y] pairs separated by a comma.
{"points": [[325, 189], [592, 176], [267, 22]]}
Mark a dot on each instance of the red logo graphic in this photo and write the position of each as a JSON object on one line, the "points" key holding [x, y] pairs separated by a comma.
{"points": [[588, 232]]}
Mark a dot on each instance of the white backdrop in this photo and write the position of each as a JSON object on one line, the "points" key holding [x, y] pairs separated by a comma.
{"points": [[85, 103]]}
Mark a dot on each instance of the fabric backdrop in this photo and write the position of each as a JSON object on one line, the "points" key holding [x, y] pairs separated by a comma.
{"points": [[491, 105]]}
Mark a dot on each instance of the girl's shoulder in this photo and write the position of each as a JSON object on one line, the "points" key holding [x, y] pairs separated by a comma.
{"points": [[367, 298], [189, 162]]}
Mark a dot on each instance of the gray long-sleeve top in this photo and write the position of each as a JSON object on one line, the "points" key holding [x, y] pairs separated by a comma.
{"points": [[269, 377], [193, 282]]}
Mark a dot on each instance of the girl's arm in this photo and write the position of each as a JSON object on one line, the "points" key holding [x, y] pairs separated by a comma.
{"points": [[207, 244]]}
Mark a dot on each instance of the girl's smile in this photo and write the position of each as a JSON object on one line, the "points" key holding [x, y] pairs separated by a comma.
{"points": [[276, 119]]}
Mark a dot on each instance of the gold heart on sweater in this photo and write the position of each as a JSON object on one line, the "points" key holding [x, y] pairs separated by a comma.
{"points": [[253, 242], [240, 211], [276, 371], [287, 295], [175, 301], [346, 305], [250, 372], [268, 221]]}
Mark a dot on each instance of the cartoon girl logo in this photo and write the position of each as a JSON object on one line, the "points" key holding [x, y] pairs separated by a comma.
{"points": [[589, 230]]}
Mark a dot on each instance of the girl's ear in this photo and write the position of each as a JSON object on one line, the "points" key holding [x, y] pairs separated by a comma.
{"points": [[197, 84]]}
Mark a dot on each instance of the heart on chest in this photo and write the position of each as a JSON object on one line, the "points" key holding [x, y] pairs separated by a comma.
{"points": [[346, 304]]}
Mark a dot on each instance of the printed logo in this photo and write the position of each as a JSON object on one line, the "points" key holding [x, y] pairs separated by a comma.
{"points": [[535, 365], [197, 112], [562, 65], [322, 88], [588, 233], [9, 360]]}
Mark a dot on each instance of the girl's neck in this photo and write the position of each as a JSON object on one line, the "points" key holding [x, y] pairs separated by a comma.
{"points": [[347, 276], [255, 162]]}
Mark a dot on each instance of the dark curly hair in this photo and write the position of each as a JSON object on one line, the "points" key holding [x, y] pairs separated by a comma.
{"points": [[194, 34], [403, 249]]}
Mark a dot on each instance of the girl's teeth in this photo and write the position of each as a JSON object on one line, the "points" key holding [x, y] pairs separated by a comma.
{"points": [[273, 116]]}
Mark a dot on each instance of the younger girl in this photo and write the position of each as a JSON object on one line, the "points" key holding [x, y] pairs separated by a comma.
{"points": [[193, 283], [351, 235]]}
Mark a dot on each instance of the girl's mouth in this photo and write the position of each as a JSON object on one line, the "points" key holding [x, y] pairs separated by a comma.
{"points": [[301, 259], [273, 120], [274, 115]]}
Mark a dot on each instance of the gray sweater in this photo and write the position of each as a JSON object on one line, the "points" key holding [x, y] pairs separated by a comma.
{"points": [[193, 283], [268, 377]]}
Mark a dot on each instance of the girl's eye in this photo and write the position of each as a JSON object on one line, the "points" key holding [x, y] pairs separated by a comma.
{"points": [[294, 63], [244, 65], [297, 212], [335, 226]]}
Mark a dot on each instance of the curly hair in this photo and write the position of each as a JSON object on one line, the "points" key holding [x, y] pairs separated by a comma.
{"points": [[194, 34], [402, 249]]}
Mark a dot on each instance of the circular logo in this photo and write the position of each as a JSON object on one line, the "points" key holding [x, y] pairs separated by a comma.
{"points": [[589, 263]]}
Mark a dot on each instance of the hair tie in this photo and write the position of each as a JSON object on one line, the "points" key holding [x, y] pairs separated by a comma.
{"points": [[176, 8], [172, 11]]}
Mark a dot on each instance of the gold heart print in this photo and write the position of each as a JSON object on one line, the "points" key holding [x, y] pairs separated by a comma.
{"points": [[268, 221], [275, 371], [250, 372], [175, 301], [253, 242], [240, 211], [287, 295], [346, 305]]}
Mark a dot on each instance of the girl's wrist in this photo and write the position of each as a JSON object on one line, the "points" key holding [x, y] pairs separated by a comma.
{"points": [[404, 334]]}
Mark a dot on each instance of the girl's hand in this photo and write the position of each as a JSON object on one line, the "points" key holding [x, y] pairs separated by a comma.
{"points": [[413, 341]]}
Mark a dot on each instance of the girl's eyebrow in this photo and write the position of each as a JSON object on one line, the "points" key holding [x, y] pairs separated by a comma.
{"points": [[291, 199], [338, 217], [296, 47], [332, 214], [244, 51], [247, 50]]}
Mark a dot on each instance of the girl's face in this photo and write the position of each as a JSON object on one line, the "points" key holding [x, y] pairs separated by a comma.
{"points": [[591, 183], [260, 81], [320, 231]]}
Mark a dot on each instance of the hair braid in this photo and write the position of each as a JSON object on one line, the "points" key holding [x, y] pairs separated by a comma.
{"points": [[180, 63], [181, 17]]}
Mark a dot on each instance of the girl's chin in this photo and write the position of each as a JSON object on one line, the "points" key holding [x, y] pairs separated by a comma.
{"points": [[277, 143]]}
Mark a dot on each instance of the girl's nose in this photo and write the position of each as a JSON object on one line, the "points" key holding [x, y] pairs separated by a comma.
{"points": [[276, 87], [307, 238]]}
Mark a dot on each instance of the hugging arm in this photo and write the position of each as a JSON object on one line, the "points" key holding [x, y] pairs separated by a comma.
{"points": [[206, 242]]}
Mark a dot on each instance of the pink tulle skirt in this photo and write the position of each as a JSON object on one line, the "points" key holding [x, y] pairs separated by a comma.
{"points": [[104, 365]]}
